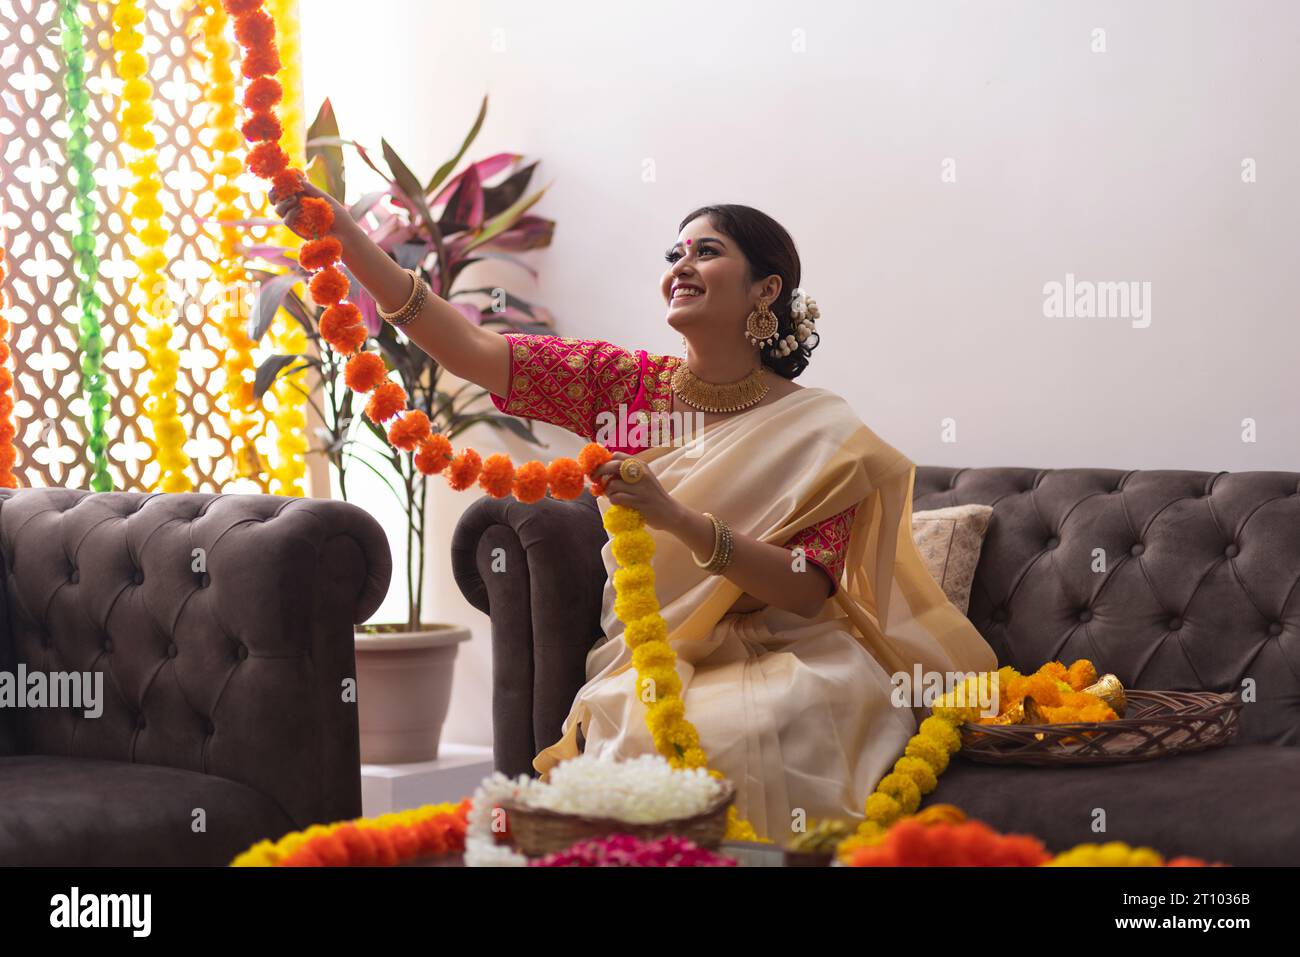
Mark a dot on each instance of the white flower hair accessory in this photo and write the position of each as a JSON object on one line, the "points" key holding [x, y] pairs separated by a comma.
{"points": [[804, 313]]}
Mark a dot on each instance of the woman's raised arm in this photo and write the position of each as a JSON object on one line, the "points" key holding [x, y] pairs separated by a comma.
{"points": [[465, 350]]}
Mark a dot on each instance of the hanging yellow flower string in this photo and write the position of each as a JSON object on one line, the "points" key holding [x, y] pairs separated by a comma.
{"points": [[915, 773], [289, 465], [145, 212], [654, 659], [635, 601], [244, 416]]}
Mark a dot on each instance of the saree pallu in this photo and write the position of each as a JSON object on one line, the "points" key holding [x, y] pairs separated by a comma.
{"points": [[797, 712]]}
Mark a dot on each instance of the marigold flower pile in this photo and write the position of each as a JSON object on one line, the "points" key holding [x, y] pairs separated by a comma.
{"points": [[1057, 690]]}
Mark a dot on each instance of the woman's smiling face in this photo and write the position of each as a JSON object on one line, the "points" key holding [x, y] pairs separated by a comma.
{"points": [[706, 260]]}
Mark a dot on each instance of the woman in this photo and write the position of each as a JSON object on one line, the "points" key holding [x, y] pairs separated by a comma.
{"points": [[785, 647]]}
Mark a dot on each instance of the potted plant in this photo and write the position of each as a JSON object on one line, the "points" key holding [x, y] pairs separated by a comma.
{"points": [[404, 669]]}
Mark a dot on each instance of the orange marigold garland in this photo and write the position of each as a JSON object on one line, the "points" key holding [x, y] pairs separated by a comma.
{"points": [[365, 372], [434, 830], [911, 843], [341, 324], [463, 470], [409, 430], [941, 836], [255, 30], [342, 327], [498, 476], [387, 398], [530, 482], [319, 253], [244, 415], [8, 454]]}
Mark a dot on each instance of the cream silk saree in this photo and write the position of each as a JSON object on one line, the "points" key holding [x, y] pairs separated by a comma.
{"points": [[795, 711]]}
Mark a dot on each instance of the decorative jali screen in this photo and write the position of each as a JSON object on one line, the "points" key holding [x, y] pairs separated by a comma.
{"points": [[37, 200]]}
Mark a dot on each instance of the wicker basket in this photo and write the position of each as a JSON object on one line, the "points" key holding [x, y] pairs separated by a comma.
{"points": [[536, 832], [1155, 724]]}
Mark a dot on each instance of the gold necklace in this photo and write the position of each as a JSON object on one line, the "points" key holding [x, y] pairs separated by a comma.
{"points": [[718, 396]]}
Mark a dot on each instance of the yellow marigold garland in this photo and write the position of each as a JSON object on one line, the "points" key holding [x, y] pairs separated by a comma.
{"points": [[145, 212], [897, 796], [289, 466], [646, 633], [635, 601], [410, 430], [1109, 854], [927, 753], [242, 413]]}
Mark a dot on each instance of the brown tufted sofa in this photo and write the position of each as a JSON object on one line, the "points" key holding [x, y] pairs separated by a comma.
{"points": [[1201, 591], [223, 717]]}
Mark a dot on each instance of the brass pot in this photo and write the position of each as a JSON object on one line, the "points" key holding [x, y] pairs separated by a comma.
{"points": [[1109, 690]]}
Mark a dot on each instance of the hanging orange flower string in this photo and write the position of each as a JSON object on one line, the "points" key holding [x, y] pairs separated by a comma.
{"points": [[410, 430], [341, 324], [245, 417], [8, 454]]}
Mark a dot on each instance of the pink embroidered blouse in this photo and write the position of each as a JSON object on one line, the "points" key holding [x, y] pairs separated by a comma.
{"points": [[569, 382]]}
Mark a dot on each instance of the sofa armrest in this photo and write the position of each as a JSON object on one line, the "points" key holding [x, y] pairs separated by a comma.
{"points": [[537, 571], [222, 626]]}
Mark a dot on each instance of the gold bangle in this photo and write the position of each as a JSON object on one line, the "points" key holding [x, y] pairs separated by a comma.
{"points": [[723, 545], [419, 292], [415, 287], [728, 546], [412, 309], [716, 539]]}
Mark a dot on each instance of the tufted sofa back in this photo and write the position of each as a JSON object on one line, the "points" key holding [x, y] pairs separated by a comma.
{"points": [[1175, 580], [222, 625]]}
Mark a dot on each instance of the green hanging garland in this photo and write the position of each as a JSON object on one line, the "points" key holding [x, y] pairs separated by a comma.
{"points": [[91, 340]]}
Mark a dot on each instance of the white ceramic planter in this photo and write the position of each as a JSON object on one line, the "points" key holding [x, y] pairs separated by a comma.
{"points": [[404, 690]]}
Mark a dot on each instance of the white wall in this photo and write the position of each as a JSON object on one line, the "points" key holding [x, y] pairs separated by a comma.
{"points": [[837, 119]]}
